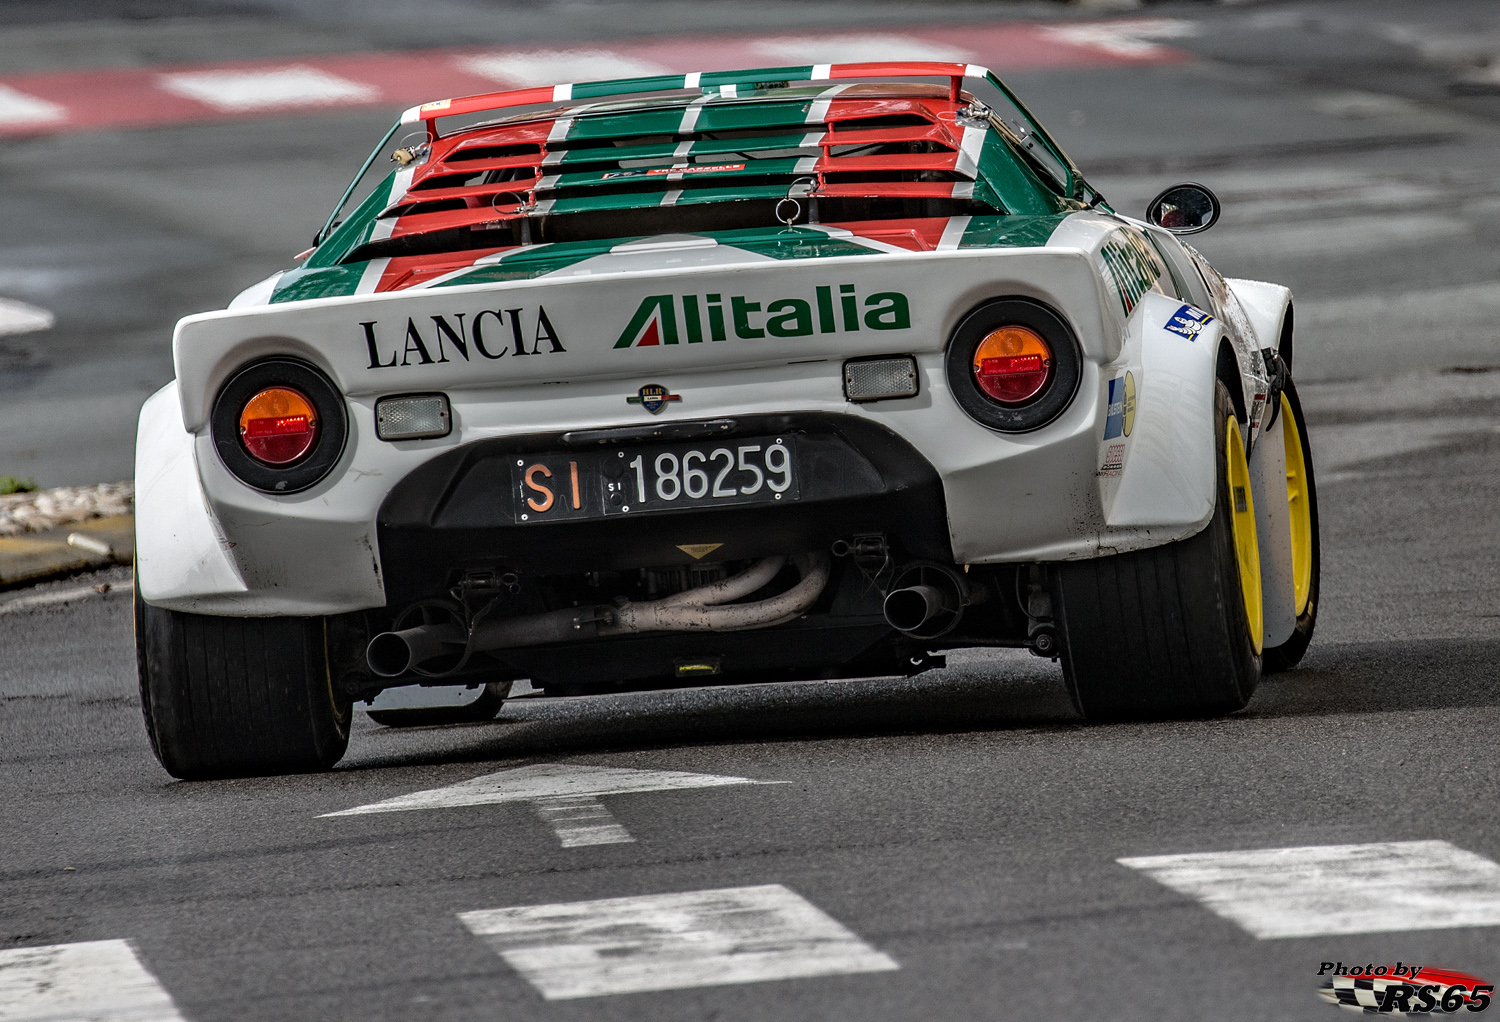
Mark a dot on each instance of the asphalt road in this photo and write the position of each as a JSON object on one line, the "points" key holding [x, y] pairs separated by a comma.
{"points": [[962, 826]]}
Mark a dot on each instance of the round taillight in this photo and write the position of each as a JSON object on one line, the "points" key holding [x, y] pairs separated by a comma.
{"points": [[278, 425], [1012, 364]]}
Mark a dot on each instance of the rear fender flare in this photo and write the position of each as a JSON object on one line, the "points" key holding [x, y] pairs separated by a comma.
{"points": [[1169, 477], [180, 549]]}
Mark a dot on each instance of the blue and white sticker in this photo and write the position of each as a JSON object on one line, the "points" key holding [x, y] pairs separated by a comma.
{"points": [[1188, 322], [1120, 415]]}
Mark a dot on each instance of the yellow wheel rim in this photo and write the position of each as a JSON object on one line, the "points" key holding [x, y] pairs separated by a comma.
{"points": [[1242, 524], [1299, 504]]}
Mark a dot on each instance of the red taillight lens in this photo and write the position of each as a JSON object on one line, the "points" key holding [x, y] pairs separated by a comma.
{"points": [[1013, 364], [278, 426]]}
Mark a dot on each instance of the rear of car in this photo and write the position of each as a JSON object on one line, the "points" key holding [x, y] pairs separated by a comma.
{"points": [[796, 372]]}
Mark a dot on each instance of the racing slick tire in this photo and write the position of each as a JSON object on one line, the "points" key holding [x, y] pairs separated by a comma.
{"points": [[1302, 502], [1172, 631], [482, 709], [237, 697]]}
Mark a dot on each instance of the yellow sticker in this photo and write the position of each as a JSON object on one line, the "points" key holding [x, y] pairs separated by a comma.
{"points": [[1129, 403], [698, 551]]}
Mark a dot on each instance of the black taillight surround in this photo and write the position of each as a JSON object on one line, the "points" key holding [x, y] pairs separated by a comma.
{"points": [[1067, 361], [333, 420]]}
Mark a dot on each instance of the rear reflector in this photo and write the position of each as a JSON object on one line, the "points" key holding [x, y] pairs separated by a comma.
{"points": [[278, 425], [413, 417], [876, 379]]}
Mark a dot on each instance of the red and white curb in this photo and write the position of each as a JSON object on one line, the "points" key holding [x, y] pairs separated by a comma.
{"points": [[71, 101]]}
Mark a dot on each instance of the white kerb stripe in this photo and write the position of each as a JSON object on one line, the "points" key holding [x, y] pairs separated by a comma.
{"points": [[93, 981], [559, 130], [730, 90], [672, 942], [546, 183], [1323, 890], [953, 233], [19, 108], [820, 72], [969, 149], [805, 165], [683, 148], [286, 87], [561, 92], [671, 197], [813, 138], [691, 80], [963, 189]]}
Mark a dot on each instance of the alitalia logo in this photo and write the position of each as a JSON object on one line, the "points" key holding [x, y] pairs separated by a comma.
{"points": [[693, 319]]}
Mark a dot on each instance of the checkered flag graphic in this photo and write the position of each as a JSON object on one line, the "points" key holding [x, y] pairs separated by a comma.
{"points": [[1360, 994]]}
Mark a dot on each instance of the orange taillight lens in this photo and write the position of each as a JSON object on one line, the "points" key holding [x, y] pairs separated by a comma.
{"points": [[278, 426], [1012, 364]]}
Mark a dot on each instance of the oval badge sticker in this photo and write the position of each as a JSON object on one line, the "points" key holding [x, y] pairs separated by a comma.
{"points": [[652, 397]]}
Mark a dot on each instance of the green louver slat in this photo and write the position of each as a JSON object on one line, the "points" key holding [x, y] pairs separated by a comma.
{"points": [[646, 200], [668, 150], [756, 74], [750, 168], [621, 86], [740, 116], [644, 122]]}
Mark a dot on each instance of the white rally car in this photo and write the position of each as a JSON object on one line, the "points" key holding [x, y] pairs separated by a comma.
{"points": [[770, 374]]}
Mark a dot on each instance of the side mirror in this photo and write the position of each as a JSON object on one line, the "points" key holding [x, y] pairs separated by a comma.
{"points": [[1184, 209]]}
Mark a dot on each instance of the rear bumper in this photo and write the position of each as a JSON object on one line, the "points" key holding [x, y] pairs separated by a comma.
{"points": [[953, 491]]}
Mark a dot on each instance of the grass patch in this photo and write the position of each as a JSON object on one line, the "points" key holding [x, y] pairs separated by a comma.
{"points": [[10, 484]]}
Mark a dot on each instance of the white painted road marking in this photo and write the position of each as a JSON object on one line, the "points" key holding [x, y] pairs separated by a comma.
{"points": [[580, 820], [96, 981], [672, 942], [242, 91], [565, 795], [1322, 890], [20, 318]]}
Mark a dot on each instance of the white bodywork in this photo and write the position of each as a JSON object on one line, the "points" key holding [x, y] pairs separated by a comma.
{"points": [[209, 544]]}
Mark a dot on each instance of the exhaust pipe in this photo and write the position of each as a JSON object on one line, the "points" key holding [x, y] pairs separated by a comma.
{"points": [[907, 610], [926, 601], [393, 653]]}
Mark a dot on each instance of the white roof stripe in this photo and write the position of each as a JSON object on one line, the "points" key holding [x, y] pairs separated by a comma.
{"points": [[368, 280], [969, 149], [820, 72], [561, 93], [690, 114], [953, 233], [817, 113], [691, 80]]}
